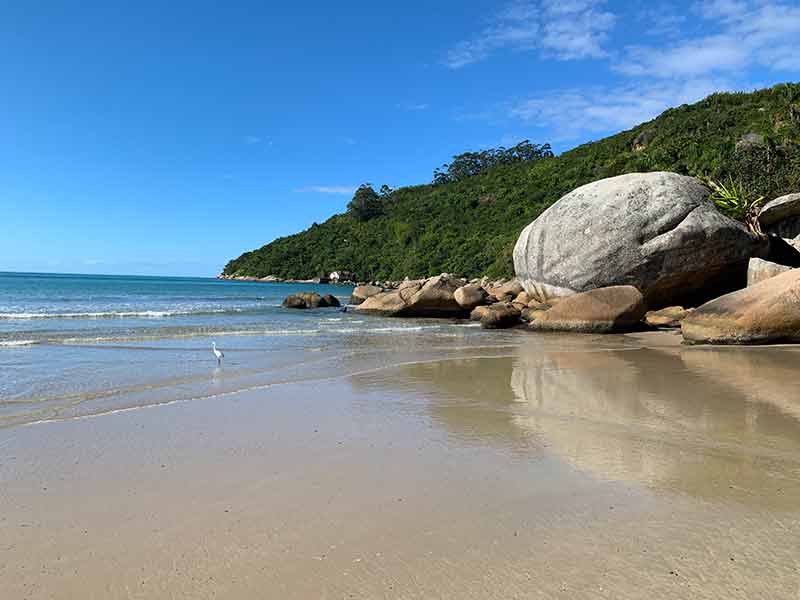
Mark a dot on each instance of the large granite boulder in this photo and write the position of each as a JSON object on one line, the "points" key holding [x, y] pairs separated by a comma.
{"points": [[781, 216], [470, 296], [758, 270], [766, 312], [603, 310], [656, 231], [435, 297], [362, 292]]}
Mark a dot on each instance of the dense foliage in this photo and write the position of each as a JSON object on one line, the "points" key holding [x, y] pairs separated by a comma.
{"points": [[366, 203], [470, 164], [469, 226]]}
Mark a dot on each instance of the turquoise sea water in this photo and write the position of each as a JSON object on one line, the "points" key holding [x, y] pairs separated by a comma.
{"points": [[79, 345]]}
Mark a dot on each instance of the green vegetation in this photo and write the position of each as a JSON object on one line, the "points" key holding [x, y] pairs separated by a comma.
{"points": [[468, 224], [470, 164], [733, 201]]}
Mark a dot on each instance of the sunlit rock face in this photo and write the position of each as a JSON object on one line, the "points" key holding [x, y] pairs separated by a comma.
{"points": [[658, 232]]}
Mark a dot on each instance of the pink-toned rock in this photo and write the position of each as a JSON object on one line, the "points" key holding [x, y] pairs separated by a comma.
{"points": [[763, 313], [602, 310]]}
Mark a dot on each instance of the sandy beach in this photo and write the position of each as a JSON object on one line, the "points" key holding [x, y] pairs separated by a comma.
{"points": [[565, 467]]}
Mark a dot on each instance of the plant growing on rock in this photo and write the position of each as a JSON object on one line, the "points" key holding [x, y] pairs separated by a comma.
{"points": [[732, 200]]}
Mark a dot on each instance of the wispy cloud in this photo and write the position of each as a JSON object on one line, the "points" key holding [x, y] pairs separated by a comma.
{"points": [[252, 139], [748, 33], [662, 20], [327, 189], [577, 112], [413, 107], [560, 29]]}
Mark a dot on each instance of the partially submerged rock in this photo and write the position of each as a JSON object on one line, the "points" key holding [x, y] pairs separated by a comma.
{"points": [[362, 292], [331, 300], [669, 317], [766, 312], [656, 231], [309, 300], [758, 270], [500, 316], [603, 310]]}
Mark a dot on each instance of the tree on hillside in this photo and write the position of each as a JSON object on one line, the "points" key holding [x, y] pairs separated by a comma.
{"points": [[470, 164], [366, 204]]}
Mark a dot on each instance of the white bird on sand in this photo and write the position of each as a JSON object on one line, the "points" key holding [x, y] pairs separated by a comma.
{"points": [[217, 353]]}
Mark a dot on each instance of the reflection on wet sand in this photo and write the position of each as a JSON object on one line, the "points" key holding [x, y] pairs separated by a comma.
{"points": [[663, 418], [722, 425]]}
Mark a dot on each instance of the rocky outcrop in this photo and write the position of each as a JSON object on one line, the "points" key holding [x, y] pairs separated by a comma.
{"points": [[309, 300], [781, 216], [362, 292], [748, 140], [758, 270], [470, 296], [656, 231], [669, 317], [603, 310], [435, 297], [766, 312]]}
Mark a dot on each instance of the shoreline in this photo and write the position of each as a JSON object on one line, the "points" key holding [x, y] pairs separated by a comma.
{"points": [[507, 471]]}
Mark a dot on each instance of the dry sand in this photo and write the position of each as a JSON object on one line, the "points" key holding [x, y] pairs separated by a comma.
{"points": [[579, 467]]}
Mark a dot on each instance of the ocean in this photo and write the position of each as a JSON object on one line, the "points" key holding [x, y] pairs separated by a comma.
{"points": [[73, 346]]}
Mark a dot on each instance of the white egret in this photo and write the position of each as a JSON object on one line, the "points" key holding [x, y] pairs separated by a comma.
{"points": [[217, 353]]}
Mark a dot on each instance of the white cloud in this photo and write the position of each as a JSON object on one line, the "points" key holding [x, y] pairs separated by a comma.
{"points": [[570, 114], [327, 189], [564, 30], [752, 32], [251, 139]]}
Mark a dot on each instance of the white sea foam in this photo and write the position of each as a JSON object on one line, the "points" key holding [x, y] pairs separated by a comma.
{"points": [[17, 343]]}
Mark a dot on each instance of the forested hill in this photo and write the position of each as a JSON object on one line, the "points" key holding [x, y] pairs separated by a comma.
{"points": [[468, 220]]}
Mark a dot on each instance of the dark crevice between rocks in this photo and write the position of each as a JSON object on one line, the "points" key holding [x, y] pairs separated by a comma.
{"points": [[782, 253]]}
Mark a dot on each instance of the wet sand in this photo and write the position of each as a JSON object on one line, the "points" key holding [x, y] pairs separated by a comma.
{"points": [[573, 467]]}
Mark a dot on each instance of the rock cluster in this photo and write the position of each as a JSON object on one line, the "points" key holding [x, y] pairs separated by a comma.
{"points": [[630, 252], [310, 300]]}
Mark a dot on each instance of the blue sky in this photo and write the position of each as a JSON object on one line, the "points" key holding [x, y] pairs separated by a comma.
{"points": [[168, 137]]}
